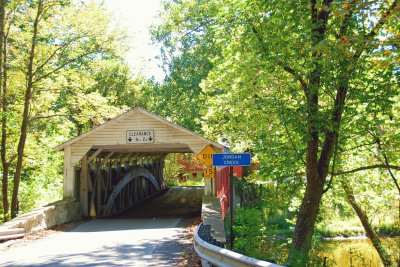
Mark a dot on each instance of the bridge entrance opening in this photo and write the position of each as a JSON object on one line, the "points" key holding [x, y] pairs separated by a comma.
{"points": [[112, 182], [121, 163], [184, 169]]}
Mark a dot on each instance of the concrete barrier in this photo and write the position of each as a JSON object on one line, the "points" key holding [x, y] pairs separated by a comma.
{"points": [[59, 212]]}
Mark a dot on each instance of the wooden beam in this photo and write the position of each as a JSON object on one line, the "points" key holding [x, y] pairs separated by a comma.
{"points": [[107, 157], [130, 155], [95, 154], [98, 188], [147, 148], [84, 182]]}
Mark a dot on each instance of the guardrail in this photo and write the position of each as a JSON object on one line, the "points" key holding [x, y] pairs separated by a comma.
{"points": [[223, 257]]}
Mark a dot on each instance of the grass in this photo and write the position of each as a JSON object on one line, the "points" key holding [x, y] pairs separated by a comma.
{"points": [[186, 183], [352, 227], [346, 228]]}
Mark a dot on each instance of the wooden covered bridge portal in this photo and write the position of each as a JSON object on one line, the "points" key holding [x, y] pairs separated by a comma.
{"points": [[120, 163]]}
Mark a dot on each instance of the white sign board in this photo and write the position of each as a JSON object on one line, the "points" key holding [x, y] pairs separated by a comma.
{"points": [[139, 136]]}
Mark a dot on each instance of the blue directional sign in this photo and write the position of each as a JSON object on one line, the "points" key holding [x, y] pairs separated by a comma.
{"points": [[220, 160]]}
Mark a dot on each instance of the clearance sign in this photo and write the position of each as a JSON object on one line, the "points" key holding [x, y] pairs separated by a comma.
{"points": [[206, 156]]}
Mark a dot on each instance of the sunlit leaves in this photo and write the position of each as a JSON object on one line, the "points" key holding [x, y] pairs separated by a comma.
{"points": [[79, 80], [265, 58]]}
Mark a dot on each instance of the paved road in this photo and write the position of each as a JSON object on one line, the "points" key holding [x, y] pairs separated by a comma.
{"points": [[122, 241], [177, 202]]}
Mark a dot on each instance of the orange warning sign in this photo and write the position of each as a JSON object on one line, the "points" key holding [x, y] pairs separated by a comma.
{"points": [[209, 172], [205, 156]]}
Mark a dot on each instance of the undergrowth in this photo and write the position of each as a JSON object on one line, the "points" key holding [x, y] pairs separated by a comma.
{"points": [[267, 236], [186, 183]]}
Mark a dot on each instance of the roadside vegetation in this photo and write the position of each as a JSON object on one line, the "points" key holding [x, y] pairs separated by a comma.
{"points": [[263, 230]]}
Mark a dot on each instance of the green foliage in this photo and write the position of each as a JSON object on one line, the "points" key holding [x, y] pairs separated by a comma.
{"points": [[278, 84], [258, 237], [263, 234], [388, 228], [189, 182], [187, 52], [42, 178], [79, 80], [340, 227], [172, 169]]}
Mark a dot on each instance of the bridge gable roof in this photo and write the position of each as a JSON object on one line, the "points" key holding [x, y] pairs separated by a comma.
{"points": [[111, 136]]}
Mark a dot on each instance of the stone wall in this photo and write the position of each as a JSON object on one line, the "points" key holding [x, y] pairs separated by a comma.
{"points": [[59, 212]]}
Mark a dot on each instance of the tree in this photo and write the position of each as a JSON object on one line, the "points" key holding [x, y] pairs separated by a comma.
{"points": [[186, 53], [4, 161], [46, 44], [295, 74]]}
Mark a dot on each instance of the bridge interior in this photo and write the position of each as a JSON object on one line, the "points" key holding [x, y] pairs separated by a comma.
{"points": [[117, 180]]}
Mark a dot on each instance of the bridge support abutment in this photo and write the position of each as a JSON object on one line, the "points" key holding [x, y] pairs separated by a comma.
{"points": [[69, 174]]}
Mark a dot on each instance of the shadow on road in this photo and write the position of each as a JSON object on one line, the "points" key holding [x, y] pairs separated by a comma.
{"points": [[154, 233], [167, 210], [166, 252], [177, 202]]}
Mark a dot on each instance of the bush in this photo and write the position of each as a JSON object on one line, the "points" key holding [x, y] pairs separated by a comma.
{"points": [[256, 236], [388, 229]]}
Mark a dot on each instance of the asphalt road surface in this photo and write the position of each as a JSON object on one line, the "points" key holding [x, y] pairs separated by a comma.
{"points": [[152, 234]]}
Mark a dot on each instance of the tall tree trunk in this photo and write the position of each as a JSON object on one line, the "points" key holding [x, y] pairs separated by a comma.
{"points": [[5, 163], [305, 222], [25, 115], [315, 171], [376, 242]]}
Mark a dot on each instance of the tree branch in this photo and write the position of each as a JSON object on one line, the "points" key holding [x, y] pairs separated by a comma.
{"points": [[296, 75], [62, 66], [333, 167], [294, 147], [378, 166], [378, 143], [280, 63], [374, 31], [49, 116], [346, 20], [359, 146], [331, 136], [382, 19], [59, 48]]}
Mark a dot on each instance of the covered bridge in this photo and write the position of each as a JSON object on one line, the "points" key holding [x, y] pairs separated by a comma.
{"points": [[120, 163]]}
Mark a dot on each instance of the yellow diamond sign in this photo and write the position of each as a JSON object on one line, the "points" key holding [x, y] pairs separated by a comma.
{"points": [[209, 172], [205, 155]]}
